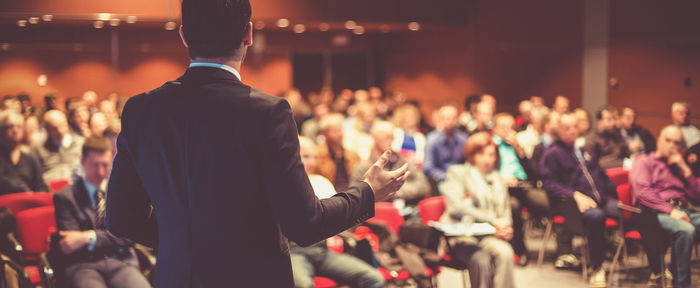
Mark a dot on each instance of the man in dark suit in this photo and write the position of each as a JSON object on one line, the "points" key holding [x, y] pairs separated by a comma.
{"points": [[219, 162], [92, 256]]}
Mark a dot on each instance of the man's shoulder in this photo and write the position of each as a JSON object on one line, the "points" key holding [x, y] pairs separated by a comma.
{"points": [[67, 193]]}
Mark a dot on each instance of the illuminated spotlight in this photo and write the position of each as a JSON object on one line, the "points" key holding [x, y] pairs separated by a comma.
{"points": [[131, 19], [350, 24], [33, 20], [359, 30], [114, 22], [259, 25], [170, 25], [22, 23], [299, 28], [5, 46], [413, 26], [283, 23], [47, 17], [98, 24], [324, 26], [385, 28], [104, 16]]}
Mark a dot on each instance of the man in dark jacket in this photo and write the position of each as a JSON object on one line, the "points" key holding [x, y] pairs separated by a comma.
{"points": [[219, 162], [606, 143], [19, 172], [91, 256], [580, 192], [639, 140]]}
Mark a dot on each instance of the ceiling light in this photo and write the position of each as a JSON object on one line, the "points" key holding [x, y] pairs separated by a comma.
{"points": [[359, 30], [33, 20], [104, 16], [299, 28], [350, 24], [259, 25], [131, 19], [47, 17], [283, 23], [413, 26], [22, 23], [98, 24], [324, 26], [170, 25], [5, 46], [114, 22]]}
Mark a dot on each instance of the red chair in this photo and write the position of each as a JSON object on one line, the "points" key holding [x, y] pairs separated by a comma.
{"points": [[34, 227], [18, 202], [58, 184], [628, 213], [386, 213], [431, 209], [323, 282], [619, 175]]}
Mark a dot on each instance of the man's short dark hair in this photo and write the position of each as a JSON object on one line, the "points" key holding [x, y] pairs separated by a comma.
{"points": [[609, 108], [96, 144], [214, 28], [472, 99]]}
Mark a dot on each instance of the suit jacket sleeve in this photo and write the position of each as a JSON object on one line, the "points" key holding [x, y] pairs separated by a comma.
{"points": [[302, 217], [129, 212]]}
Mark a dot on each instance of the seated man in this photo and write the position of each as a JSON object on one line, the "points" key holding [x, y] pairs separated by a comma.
{"points": [[317, 260], [92, 256], [579, 189], [639, 139], [606, 143], [443, 147], [680, 115], [59, 156], [512, 167], [663, 182], [416, 187], [19, 172], [335, 162]]}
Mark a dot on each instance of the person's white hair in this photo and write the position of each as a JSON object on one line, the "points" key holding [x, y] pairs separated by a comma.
{"points": [[330, 120], [679, 105]]}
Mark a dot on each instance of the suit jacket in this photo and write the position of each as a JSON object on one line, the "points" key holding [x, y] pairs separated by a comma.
{"points": [[74, 211], [219, 161]]}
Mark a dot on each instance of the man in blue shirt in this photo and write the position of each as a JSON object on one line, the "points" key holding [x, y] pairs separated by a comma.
{"points": [[443, 146], [92, 256]]}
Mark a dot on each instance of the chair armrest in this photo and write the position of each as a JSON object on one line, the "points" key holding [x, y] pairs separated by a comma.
{"points": [[629, 208]]}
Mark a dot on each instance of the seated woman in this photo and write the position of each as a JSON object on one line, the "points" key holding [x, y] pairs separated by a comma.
{"points": [[475, 192]]}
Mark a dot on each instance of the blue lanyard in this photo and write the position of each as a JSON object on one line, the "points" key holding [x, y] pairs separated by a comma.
{"points": [[217, 65]]}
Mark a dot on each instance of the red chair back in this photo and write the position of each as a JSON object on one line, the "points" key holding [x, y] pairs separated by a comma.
{"points": [[431, 209], [17, 202], [34, 226], [386, 213], [618, 175], [625, 197], [58, 184]]}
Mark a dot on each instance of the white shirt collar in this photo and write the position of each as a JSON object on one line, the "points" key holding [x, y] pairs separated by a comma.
{"points": [[218, 65]]}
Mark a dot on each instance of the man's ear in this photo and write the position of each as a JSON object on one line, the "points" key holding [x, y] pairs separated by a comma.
{"points": [[248, 37], [182, 37]]}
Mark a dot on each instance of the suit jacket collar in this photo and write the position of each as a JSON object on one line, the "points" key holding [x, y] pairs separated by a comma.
{"points": [[201, 75]]}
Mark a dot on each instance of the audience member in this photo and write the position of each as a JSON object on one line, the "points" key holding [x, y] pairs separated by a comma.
{"points": [[580, 191], [32, 133], [443, 147], [538, 103], [512, 168], [408, 140], [475, 192], [522, 121], [310, 128], [89, 99], [680, 114], [583, 124], [561, 104], [79, 118], [692, 157], [19, 172], [467, 121], [639, 140], [26, 104], [356, 129], [531, 136], [606, 143], [335, 162], [59, 155], [663, 182], [416, 186], [91, 255], [317, 260], [483, 118]]}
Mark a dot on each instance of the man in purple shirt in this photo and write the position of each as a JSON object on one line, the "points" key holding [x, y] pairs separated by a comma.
{"points": [[443, 146], [579, 190], [663, 182]]}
